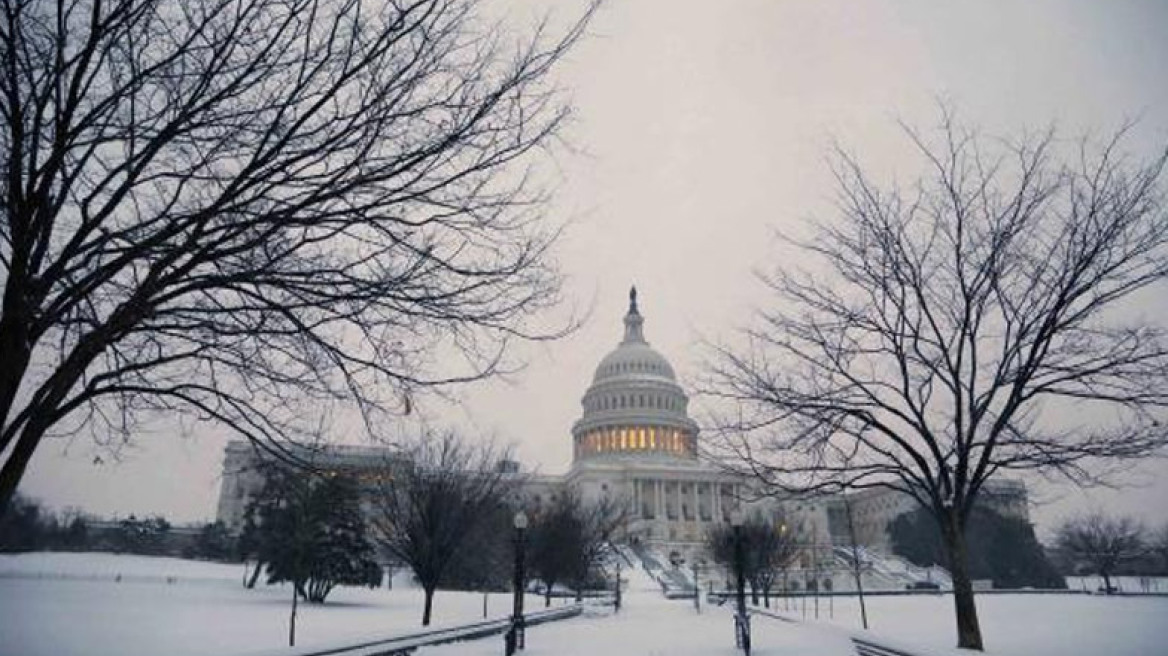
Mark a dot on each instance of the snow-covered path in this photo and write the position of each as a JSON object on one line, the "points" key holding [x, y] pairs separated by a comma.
{"points": [[650, 625]]}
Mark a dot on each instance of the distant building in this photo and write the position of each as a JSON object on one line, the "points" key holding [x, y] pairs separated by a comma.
{"points": [[244, 464], [874, 510], [633, 443]]}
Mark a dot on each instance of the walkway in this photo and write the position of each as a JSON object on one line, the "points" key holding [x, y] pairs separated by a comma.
{"points": [[650, 625]]}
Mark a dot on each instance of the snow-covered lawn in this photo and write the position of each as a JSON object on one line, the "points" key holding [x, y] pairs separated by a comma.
{"points": [[1015, 624], [71, 604]]}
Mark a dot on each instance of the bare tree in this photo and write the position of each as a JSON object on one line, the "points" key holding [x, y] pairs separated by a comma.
{"points": [[857, 561], [570, 538], [769, 548], [249, 211], [1101, 542], [433, 501], [946, 314]]}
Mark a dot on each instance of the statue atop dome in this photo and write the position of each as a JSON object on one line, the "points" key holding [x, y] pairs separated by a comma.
{"points": [[633, 321]]}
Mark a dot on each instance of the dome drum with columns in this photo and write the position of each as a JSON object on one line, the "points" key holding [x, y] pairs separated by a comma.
{"points": [[635, 443], [634, 407]]}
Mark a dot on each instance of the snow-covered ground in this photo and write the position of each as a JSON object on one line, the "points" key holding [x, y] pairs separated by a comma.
{"points": [[57, 604], [1012, 624], [73, 604], [650, 625]]}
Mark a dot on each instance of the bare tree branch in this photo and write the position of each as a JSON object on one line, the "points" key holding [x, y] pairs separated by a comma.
{"points": [[274, 206], [944, 317]]}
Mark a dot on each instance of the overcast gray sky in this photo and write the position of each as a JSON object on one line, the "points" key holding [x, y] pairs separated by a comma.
{"points": [[704, 126]]}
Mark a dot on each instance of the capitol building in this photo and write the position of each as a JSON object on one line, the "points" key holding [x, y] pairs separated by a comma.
{"points": [[635, 444]]}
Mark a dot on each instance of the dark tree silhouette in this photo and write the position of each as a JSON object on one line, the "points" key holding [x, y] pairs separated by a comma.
{"points": [[1101, 542], [569, 538], [936, 319], [251, 211], [214, 542], [1159, 546], [29, 527], [432, 503], [25, 527], [769, 548], [1002, 549], [488, 565], [310, 532]]}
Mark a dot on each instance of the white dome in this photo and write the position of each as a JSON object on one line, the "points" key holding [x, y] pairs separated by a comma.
{"points": [[634, 406], [633, 360]]}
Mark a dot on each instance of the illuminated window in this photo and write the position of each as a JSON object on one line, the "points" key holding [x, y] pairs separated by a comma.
{"points": [[652, 438]]}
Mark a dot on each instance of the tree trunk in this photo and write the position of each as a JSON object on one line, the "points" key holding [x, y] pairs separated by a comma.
{"points": [[255, 575], [318, 590], [14, 344], [968, 628], [428, 606], [292, 618], [1106, 581], [17, 462]]}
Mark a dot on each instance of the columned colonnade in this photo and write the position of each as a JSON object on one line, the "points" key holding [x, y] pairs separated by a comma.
{"points": [[681, 499]]}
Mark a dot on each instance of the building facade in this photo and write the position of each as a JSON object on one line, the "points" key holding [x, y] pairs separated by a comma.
{"points": [[874, 510], [635, 444]]}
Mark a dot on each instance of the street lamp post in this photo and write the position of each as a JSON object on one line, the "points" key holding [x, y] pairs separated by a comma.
{"points": [[741, 619], [515, 638], [786, 559], [617, 602]]}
